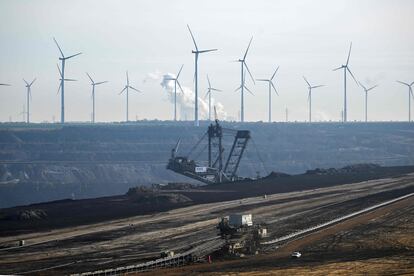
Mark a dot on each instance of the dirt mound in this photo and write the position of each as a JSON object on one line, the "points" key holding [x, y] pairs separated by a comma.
{"points": [[176, 186], [147, 195], [356, 168], [29, 215], [277, 175]]}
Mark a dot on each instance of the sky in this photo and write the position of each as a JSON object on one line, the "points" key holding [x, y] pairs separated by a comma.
{"points": [[150, 39]]}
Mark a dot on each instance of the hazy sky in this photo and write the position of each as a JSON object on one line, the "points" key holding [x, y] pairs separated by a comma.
{"points": [[150, 39]]}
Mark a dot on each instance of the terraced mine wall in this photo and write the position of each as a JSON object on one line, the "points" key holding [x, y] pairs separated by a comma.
{"points": [[50, 162]]}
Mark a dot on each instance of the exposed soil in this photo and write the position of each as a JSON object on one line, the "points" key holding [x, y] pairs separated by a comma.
{"points": [[380, 242], [135, 239]]}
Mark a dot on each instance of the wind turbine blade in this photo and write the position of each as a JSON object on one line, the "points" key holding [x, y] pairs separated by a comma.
{"points": [[337, 68], [5, 84], [347, 68], [208, 92], [262, 80], [135, 89], [179, 72], [403, 83], [179, 85], [209, 84], [412, 83], [248, 90], [206, 51], [217, 90], [90, 78], [127, 78], [60, 72], [235, 90], [97, 83], [274, 73], [317, 86], [32, 82], [274, 88], [372, 87], [60, 50], [26, 82], [73, 55], [122, 90], [306, 81], [248, 70], [362, 86], [247, 50], [349, 54], [192, 36], [60, 85], [70, 80]]}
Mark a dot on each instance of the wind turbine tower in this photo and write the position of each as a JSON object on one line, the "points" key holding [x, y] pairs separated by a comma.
{"points": [[93, 95], [366, 98], [28, 98], [209, 89], [346, 69], [175, 91], [62, 80], [196, 52], [126, 88], [410, 94], [271, 86], [242, 76], [310, 87]]}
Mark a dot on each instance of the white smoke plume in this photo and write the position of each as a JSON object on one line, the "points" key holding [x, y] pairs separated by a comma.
{"points": [[152, 76], [185, 101]]}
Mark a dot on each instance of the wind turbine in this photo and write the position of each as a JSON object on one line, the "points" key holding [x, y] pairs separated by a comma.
{"points": [[62, 80], [28, 95], [366, 98], [175, 91], [310, 87], [126, 88], [271, 85], [196, 52], [242, 85], [410, 91], [209, 89], [93, 95], [346, 69]]}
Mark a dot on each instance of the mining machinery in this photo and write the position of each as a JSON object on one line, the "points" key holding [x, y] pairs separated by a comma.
{"points": [[220, 168]]}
